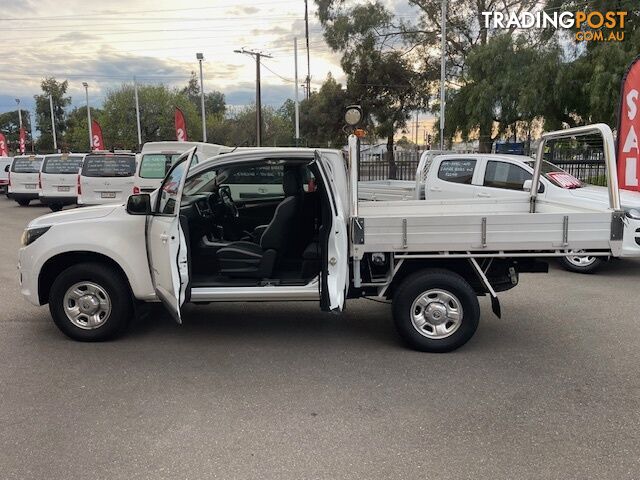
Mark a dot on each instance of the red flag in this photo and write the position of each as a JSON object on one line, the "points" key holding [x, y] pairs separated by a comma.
{"points": [[181, 126], [628, 153], [4, 150], [23, 140], [96, 136]]}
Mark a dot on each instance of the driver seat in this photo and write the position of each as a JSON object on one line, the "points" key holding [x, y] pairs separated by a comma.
{"points": [[257, 260]]}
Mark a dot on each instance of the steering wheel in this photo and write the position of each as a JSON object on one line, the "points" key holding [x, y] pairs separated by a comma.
{"points": [[225, 196]]}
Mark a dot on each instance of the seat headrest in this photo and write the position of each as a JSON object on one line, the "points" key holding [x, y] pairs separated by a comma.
{"points": [[291, 183]]}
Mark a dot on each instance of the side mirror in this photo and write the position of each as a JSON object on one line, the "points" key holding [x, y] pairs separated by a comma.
{"points": [[139, 204], [6, 169], [526, 186]]}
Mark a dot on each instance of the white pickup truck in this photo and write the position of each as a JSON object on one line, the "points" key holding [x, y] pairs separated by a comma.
{"points": [[447, 175], [193, 240]]}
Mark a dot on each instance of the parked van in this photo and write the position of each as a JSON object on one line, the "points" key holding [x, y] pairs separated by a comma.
{"points": [[158, 157], [58, 179], [106, 178], [5, 166], [23, 178]]}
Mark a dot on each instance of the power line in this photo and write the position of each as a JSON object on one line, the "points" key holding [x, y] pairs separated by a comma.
{"points": [[93, 15]]}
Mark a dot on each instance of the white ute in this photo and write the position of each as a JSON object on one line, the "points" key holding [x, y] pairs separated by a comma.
{"points": [[193, 240], [156, 158], [446, 176]]}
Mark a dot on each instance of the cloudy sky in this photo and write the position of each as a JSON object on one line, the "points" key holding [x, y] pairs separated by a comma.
{"points": [[106, 43]]}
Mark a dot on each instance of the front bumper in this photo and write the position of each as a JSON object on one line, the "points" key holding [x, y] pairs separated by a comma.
{"points": [[27, 276]]}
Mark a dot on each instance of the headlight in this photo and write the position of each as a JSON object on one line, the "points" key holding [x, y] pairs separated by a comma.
{"points": [[30, 235], [633, 213]]}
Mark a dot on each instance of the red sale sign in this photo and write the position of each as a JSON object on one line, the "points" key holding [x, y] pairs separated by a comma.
{"points": [[97, 143], [4, 150], [181, 126], [628, 154], [23, 140]]}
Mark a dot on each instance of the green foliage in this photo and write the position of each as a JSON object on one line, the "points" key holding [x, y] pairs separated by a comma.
{"points": [[321, 116], [381, 67], [10, 127], [157, 107], [214, 102], [57, 90]]}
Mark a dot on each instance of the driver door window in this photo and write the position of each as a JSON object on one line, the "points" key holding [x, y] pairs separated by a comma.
{"points": [[505, 175], [168, 197]]}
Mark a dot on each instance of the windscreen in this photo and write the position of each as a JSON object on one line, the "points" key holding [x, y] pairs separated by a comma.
{"points": [[157, 165], [26, 164], [558, 176], [61, 164], [109, 166]]}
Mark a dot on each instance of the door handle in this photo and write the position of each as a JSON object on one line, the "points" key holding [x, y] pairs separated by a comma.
{"points": [[164, 237], [485, 195], [435, 189]]}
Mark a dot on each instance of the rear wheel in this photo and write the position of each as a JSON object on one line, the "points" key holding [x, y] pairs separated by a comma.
{"points": [[581, 263], [23, 202], [55, 207], [435, 311], [90, 302]]}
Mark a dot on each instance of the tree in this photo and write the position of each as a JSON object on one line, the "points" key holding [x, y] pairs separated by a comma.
{"points": [[383, 72], [506, 81], [214, 101], [76, 138], [321, 116], [10, 127], [157, 108], [57, 90]]}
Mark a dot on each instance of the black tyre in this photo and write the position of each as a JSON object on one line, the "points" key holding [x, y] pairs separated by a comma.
{"points": [[581, 263], [91, 302], [55, 207], [435, 311], [23, 202]]}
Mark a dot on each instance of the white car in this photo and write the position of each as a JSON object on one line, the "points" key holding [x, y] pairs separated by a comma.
{"points": [[58, 179], [5, 166], [23, 178], [158, 157], [498, 177], [106, 178]]}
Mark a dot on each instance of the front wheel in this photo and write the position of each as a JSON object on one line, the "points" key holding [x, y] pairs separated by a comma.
{"points": [[23, 203], [581, 263], [435, 311], [90, 302]]}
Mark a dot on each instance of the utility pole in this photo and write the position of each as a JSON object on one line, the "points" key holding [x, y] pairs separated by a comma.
{"points": [[306, 34], [53, 124], [257, 56], [200, 58], [19, 113], [86, 92], [297, 103], [135, 92], [443, 47]]}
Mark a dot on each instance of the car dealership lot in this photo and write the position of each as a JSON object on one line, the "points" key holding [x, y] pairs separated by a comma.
{"points": [[273, 391]]}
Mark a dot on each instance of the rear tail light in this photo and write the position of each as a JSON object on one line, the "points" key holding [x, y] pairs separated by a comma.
{"points": [[79, 187], [40, 181], [136, 190]]}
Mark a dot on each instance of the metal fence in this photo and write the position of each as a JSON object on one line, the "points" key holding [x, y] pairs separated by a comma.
{"points": [[587, 166], [375, 167]]}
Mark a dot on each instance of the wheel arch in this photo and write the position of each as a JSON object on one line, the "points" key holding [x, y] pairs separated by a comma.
{"points": [[60, 262]]}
